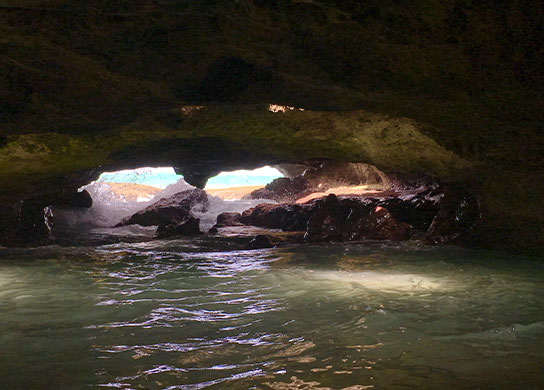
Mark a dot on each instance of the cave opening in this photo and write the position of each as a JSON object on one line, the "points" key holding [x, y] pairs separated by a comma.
{"points": [[308, 201], [100, 207]]}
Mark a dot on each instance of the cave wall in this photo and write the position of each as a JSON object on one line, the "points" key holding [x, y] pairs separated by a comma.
{"points": [[446, 88]]}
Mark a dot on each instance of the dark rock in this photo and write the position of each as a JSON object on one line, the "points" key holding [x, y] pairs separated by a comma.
{"points": [[259, 242], [331, 219], [458, 217], [170, 211], [189, 227], [34, 224], [79, 199], [229, 78], [323, 227], [282, 189], [471, 111], [287, 217], [228, 219], [417, 210], [213, 230], [381, 225], [325, 222], [323, 175]]}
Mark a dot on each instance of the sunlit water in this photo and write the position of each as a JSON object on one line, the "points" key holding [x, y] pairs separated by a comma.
{"points": [[168, 315]]}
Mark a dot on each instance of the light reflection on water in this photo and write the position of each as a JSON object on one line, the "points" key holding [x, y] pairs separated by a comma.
{"points": [[148, 316]]}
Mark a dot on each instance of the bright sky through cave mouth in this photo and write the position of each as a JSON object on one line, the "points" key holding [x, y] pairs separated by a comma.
{"points": [[164, 176]]}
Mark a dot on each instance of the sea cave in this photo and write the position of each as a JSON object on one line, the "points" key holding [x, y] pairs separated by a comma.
{"points": [[282, 194]]}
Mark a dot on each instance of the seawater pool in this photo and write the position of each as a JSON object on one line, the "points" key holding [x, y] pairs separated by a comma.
{"points": [[169, 315]]}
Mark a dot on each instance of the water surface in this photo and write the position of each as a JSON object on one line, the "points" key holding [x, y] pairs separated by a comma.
{"points": [[171, 315]]}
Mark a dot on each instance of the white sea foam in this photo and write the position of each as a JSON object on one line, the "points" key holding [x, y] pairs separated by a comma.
{"points": [[109, 209]]}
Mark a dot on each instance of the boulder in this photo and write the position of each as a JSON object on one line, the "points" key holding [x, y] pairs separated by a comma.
{"points": [[189, 227], [331, 219], [380, 225], [457, 219], [282, 189], [417, 210], [228, 219], [73, 200], [287, 217], [170, 211], [259, 242]]}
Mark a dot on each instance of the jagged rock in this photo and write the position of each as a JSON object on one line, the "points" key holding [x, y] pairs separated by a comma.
{"points": [[259, 242], [189, 227], [321, 176], [78, 199], [334, 220], [417, 210], [282, 189], [213, 230], [457, 218], [287, 217], [170, 211], [34, 224], [380, 225], [331, 219], [434, 106], [228, 219]]}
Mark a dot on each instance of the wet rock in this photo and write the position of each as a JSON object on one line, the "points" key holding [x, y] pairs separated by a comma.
{"points": [[323, 227], [228, 219], [325, 221], [323, 175], [189, 227], [259, 242], [417, 210], [334, 220], [79, 199], [331, 219], [34, 224], [457, 219], [170, 211], [213, 230], [381, 225], [287, 217], [282, 189]]}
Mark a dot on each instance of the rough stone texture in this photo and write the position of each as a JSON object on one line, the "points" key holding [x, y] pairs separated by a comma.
{"points": [[287, 217], [228, 219], [457, 219], [320, 176], [447, 88], [173, 210], [282, 189], [259, 242], [418, 210], [190, 226], [331, 219], [78, 199]]}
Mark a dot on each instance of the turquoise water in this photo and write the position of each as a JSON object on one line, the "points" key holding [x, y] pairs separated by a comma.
{"points": [[175, 315], [166, 176]]}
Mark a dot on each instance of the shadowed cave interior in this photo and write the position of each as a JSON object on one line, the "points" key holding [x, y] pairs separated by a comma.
{"points": [[399, 246]]}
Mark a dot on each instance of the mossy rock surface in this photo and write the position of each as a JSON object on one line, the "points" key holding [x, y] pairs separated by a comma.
{"points": [[448, 88]]}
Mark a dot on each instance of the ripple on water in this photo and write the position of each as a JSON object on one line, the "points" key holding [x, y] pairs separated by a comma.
{"points": [[156, 316]]}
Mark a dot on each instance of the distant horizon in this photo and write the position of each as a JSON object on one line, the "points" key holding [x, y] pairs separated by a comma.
{"points": [[161, 177]]}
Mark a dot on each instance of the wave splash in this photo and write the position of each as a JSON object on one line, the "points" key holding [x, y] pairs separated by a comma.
{"points": [[109, 208]]}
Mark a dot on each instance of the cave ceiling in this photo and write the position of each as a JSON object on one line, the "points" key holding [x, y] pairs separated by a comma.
{"points": [[449, 88]]}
